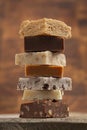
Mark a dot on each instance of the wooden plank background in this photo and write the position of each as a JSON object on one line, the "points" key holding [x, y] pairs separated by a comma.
{"points": [[74, 13]]}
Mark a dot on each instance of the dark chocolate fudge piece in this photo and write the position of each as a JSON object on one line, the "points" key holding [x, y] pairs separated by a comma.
{"points": [[44, 109], [43, 43]]}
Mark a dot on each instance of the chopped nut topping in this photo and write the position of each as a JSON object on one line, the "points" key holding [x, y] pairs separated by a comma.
{"points": [[41, 113], [50, 112], [27, 108]]}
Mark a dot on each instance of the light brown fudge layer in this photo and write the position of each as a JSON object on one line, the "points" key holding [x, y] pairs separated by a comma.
{"points": [[44, 70], [45, 26]]}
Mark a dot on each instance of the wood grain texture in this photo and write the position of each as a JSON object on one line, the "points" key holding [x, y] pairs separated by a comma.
{"points": [[76, 121]]}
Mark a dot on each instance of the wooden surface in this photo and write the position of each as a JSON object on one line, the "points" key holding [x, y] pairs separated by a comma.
{"points": [[76, 121]]}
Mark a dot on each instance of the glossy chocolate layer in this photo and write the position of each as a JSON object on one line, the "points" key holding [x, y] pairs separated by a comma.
{"points": [[43, 43]]}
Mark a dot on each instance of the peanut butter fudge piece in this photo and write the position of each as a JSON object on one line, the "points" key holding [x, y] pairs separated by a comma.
{"points": [[40, 58], [43, 43], [45, 83], [44, 70], [45, 26], [42, 94], [44, 109]]}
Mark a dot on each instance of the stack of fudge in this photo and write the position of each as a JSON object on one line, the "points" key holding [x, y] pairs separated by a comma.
{"points": [[43, 85]]}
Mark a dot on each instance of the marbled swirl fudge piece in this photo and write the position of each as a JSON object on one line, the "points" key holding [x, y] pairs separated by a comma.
{"points": [[45, 26], [40, 58], [44, 83]]}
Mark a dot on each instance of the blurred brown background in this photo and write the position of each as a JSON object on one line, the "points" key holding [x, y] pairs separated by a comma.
{"points": [[74, 13]]}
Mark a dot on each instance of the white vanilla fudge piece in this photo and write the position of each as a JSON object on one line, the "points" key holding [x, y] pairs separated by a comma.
{"points": [[40, 95], [45, 83], [40, 58], [45, 26]]}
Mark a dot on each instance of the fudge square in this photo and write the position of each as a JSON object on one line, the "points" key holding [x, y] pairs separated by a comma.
{"points": [[44, 109], [45, 26]]}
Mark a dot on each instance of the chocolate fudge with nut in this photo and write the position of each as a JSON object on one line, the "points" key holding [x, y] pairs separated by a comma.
{"points": [[44, 109]]}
